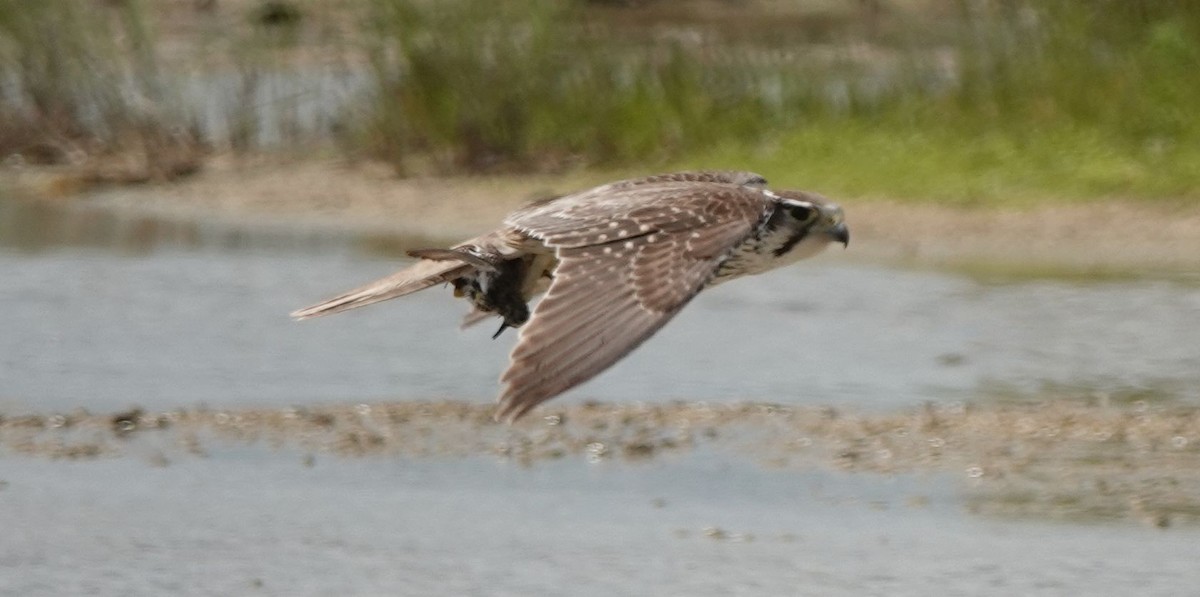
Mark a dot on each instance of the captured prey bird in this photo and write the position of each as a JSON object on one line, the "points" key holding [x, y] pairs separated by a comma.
{"points": [[616, 263]]}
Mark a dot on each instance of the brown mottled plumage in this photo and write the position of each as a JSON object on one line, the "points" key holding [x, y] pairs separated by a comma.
{"points": [[621, 260]]}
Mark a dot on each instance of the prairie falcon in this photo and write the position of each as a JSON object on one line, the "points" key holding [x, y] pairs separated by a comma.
{"points": [[616, 262]]}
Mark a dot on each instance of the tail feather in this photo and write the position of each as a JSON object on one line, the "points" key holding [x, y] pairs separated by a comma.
{"points": [[419, 276]]}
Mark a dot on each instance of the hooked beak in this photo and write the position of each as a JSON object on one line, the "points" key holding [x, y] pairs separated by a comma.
{"points": [[841, 234]]}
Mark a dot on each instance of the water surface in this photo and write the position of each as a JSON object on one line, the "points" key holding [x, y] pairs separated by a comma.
{"points": [[103, 312], [163, 316], [243, 524]]}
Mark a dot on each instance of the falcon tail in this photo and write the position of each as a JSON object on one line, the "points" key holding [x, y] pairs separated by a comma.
{"points": [[419, 276]]}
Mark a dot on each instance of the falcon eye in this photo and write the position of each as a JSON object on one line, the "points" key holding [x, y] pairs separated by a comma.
{"points": [[800, 211]]}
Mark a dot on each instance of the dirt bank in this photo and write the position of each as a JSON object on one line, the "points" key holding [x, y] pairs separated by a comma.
{"points": [[1099, 237]]}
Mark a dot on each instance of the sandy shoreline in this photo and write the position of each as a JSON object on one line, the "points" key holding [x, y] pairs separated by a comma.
{"points": [[1097, 238], [1067, 459]]}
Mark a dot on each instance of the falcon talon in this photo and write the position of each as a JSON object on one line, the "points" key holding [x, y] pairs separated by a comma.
{"points": [[616, 263]]}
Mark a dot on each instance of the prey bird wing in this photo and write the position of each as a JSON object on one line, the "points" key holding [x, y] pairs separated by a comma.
{"points": [[629, 259]]}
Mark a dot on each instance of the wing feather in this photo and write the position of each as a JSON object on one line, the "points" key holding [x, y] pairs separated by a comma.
{"points": [[611, 294], [583, 218]]}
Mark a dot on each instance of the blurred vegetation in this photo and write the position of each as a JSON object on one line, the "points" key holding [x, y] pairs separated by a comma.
{"points": [[963, 101], [79, 82], [539, 84]]}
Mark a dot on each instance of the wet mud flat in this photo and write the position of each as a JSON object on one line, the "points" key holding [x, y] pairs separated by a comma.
{"points": [[1074, 460]]}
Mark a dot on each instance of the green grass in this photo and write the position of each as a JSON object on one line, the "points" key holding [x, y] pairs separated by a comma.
{"points": [[966, 103], [956, 166], [1063, 100], [1094, 101]]}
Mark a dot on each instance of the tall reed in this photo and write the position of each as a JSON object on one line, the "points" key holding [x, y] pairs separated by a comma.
{"points": [[481, 85], [82, 80]]}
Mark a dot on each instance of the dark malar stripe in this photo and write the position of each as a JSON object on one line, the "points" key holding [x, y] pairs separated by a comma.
{"points": [[792, 241]]}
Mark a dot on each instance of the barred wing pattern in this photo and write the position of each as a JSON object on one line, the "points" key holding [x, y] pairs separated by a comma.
{"points": [[620, 279]]}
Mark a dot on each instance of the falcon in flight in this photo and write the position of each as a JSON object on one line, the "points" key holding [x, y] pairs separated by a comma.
{"points": [[616, 263]]}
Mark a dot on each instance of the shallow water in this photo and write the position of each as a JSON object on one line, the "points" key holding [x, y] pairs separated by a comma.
{"points": [[239, 523], [158, 315], [103, 312]]}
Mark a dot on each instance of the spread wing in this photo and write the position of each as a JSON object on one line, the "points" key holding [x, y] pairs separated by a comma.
{"points": [[629, 260]]}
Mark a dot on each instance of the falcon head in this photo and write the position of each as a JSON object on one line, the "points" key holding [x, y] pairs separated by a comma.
{"points": [[821, 219], [832, 222]]}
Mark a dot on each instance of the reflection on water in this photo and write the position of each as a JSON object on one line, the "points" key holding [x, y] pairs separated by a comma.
{"points": [[186, 314], [41, 226], [33, 226]]}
